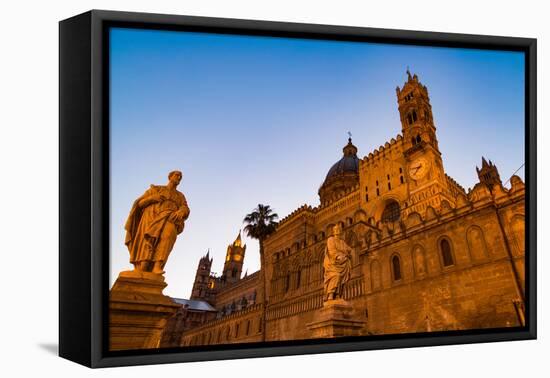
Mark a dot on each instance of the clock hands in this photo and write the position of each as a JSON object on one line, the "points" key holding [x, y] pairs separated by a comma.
{"points": [[416, 168]]}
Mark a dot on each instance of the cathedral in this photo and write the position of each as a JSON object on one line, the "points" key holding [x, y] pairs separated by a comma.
{"points": [[427, 254]]}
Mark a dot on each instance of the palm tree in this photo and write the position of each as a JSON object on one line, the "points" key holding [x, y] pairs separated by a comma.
{"points": [[261, 223]]}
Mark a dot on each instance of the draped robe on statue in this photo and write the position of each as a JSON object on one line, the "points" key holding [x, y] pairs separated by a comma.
{"points": [[337, 266], [152, 228]]}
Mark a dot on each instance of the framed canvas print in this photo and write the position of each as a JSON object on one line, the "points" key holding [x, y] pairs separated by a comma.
{"points": [[234, 188]]}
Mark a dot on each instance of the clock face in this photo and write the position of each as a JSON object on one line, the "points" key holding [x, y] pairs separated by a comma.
{"points": [[418, 168]]}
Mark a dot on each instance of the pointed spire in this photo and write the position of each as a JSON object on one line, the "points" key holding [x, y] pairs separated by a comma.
{"points": [[484, 162], [238, 242], [208, 253], [409, 77]]}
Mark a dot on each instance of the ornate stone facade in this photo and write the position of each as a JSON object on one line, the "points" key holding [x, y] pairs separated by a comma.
{"points": [[427, 255]]}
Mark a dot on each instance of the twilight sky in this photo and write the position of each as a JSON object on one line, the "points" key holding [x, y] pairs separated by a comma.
{"points": [[261, 120]]}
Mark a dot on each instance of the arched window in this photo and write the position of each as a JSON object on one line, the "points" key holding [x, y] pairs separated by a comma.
{"points": [[287, 282], [446, 254], [414, 116], [396, 268], [409, 118], [418, 139], [391, 212]]}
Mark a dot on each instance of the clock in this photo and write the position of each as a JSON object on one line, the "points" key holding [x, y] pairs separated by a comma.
{"points": [[419, 168]]}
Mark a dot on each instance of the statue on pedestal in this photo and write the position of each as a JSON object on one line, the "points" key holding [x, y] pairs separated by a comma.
{"points": [[337, 264], [154, 222], [336, 318]]}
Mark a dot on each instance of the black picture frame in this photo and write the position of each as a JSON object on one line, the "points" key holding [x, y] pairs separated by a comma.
{"points": [[84, 186]]}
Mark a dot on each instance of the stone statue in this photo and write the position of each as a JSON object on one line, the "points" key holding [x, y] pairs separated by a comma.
{"points": [[337, 264], [155, 220]]}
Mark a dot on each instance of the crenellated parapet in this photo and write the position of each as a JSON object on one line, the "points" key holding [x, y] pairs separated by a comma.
{"points": [[296, 214], [395, 145], [420, 222], [454, 186]]}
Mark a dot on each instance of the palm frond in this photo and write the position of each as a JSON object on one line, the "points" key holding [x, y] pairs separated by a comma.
{"points": [[261, 222]]}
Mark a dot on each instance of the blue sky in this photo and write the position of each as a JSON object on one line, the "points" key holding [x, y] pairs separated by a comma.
{"points": [[261, 120]]}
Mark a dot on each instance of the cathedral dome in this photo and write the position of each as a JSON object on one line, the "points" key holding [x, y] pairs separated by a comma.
{"points": [[348, 164], [343, 175]]}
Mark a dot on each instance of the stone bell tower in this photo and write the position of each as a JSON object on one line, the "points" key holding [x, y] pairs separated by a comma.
{"points": [[234, 260], [202, 278], [427, 183], [488, 174], [415, 111]]}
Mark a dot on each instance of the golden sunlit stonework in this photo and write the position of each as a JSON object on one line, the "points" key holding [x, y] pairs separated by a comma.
{"points": [[426, 255]]}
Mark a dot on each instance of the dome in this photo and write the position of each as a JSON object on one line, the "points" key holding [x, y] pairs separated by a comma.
{"points": [[348, 164], [342, 175]]}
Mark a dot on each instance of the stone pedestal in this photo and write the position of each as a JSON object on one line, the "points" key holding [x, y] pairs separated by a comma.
{"points": [[334, 319], [138, 311]]}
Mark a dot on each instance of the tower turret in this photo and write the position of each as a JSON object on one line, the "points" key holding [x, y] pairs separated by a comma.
{"points": [[488, 174], [202, 278], [427, 184], [234, 260], [415, 112]]}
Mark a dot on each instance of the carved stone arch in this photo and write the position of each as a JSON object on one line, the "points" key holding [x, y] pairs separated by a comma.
{"points": [[319, 253], [384, 201], [517, 234], [276, 270], [431, 214], [396, 267], [446, 207], [295, 263], [419, 260], [375, 275], [516, 183], [476, 243], [479, 192], [284, 267], [308, 257], [413, 219], [445, 249]]}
